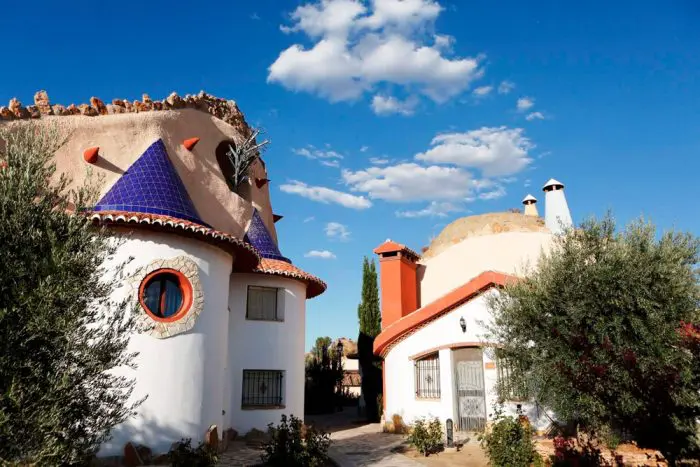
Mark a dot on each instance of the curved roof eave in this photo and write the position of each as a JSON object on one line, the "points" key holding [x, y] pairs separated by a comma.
{"points": [[412, 322]]}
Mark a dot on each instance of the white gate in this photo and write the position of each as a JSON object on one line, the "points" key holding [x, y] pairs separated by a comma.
{"points": [[469, 390]]}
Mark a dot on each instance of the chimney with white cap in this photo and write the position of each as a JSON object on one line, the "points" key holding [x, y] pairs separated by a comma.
{"points": [[530, 203], [556, 211]]}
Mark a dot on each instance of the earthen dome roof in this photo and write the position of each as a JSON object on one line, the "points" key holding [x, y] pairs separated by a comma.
{"points": [[480, 225]]}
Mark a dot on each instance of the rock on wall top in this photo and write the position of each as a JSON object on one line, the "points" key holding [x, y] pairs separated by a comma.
{"points": [[225, 110]]}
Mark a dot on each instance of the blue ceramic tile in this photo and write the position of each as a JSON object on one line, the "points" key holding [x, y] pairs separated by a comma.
{"points": [[260, 238], [151, 185]]}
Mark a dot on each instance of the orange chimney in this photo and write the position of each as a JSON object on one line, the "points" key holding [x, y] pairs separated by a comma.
{"points": [[398, 281]]}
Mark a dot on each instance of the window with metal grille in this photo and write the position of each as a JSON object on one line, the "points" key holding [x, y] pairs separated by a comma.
{"points": [[510, 386], [263, 388], [428, 377], [262, 304]]}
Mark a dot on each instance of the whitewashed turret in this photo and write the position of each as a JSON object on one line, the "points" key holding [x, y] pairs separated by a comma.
{"points": [[557, 217], [530, 203]]}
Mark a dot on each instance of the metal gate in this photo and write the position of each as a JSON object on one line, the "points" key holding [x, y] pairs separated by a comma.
{"points": [[469, 389]]}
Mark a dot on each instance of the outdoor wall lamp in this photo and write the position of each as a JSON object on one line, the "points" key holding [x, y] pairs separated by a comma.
{"points": [[463, 324]]}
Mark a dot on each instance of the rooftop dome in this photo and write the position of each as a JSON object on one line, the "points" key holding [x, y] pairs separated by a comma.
{"points": [[483, 224]]}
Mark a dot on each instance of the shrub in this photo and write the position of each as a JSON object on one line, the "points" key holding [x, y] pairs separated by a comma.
{"points": [[426, 437], [182, 454], [61, 330], [509, 442], [294, 445], [582, 452]]}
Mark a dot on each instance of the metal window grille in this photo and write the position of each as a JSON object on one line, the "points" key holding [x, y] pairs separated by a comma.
{"points": [[510, 388], [262, 304], [428, 377], [262, 388]]}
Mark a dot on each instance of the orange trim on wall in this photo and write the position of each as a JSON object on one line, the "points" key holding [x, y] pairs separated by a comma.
{"points": [[185, 288], [391, 334], [456, 345]]}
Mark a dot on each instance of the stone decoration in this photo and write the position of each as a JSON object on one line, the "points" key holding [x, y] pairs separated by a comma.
{"points": [[223, 109], [161, 329]]}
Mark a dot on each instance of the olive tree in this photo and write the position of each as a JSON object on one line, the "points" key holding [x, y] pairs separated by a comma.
{"points": [[60, 333], [604, 332]]}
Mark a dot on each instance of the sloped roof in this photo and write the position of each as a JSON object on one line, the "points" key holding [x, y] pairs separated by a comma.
{"points": [[390, 246], [412, 322], [552, 182], [275, 267], [246, 255], [151, 185], [258, 236]]}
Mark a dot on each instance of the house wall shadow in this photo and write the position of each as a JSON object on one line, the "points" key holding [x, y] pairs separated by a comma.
{"points": [[145, 430]]}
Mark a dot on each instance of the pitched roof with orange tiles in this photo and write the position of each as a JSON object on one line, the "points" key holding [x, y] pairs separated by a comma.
{"points": [[414, 321], [275, 267], [246, 255], [390, 246]]}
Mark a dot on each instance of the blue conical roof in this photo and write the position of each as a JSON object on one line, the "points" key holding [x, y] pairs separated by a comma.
{"points": [[151, 185], [258, 236]]}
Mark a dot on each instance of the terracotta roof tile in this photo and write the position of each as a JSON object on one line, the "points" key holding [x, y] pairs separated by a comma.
{"points": [[391, 246], [246, 255], [315, 286], [404, 327]]}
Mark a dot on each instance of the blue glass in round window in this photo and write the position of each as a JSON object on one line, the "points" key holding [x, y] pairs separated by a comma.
{"points": [[162, 295]]}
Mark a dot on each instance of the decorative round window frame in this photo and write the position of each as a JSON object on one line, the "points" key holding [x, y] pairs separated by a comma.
{"points": [[185, 290], [183, 320]]}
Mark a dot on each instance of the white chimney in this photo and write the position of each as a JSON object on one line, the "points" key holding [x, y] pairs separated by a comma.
{"points": [[556, 211], [530, 203]]}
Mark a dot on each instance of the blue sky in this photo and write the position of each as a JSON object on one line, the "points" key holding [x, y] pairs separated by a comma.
{"points": [[390, 118]]}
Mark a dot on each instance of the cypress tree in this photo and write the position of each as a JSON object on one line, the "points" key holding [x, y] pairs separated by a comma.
{"points": [[370, 326], [368, 310]]}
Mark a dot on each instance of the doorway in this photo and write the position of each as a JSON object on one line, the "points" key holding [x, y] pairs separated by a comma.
{"points": [[470, 395]]}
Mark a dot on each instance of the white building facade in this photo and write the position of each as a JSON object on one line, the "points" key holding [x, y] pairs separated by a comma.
{"points": [[221, 311], [437, 358]]}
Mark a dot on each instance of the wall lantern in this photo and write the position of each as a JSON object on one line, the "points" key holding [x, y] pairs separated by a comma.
{"points": [[463, 324]]}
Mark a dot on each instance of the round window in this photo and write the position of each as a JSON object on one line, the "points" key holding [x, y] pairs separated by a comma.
{"points": [[165, 294]]}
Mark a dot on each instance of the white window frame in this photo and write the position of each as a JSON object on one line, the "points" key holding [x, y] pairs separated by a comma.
{"points": [[262, 316]]}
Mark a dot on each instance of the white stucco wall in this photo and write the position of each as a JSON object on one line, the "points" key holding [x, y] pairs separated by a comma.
{"points": [[444, 331], [266, 345], [507, 252], [182, 375]]}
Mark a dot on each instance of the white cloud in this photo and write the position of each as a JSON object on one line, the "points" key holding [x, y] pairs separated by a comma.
{"points": [[527, 183], [358, 47], [482, 91], [388, 105], [322, 254], [337, 231], [309, 219], [254, 16], [364, 148], [505, 87], [496, 193], [434, 209], [410, 182], [525, 103], [497, 151], [534, 116], [313, 153], [326, 195], [378, 160]]}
